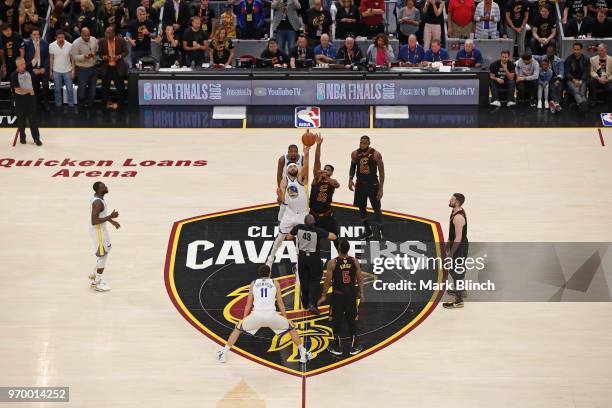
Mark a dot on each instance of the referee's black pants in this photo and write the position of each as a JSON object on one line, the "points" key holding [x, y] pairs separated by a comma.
{"points": [[310, 270], [26, 110]]}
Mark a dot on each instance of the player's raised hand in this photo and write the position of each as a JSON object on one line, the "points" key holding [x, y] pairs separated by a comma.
{"points": [[319, 139], [115, 224], [351, 185], [306, 149], [114, 214]]}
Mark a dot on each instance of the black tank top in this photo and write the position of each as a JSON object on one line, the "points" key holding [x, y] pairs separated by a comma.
{"points": [[367, 168], [451, 228], [321, 196], [344, 276]]}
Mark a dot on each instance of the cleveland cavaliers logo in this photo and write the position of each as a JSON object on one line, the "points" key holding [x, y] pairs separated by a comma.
{"points": [[212, 259]]}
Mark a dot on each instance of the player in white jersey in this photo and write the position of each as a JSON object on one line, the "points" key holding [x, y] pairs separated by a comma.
{"points": [[97, 229], [292, 195], [264, 295], [292, 156]]}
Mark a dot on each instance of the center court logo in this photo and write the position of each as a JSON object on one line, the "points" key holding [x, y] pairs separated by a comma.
{"points": [[212, 259], [147, 91]]}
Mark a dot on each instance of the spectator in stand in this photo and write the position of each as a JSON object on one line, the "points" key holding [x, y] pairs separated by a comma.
{"points": [[62, 68], [544, 78], [207, 17], [317, 21], [577, 68], [578, 26], [25, 102], [301, 51], [501, 77], [436, 53], [286, 23], [72, 9], [433, 19], [350, 54], [84, 50], [601, 75], [251, 19], [594, 6], [139, 34], [409, 20], [177, 14], [170, 48], [380, 53], [9, 14], [487, 15], [372, 12], [571, 9], [556, 83], [87, 18], [37, 64], [469, 55], [325, 53], [228, 21], [195, 43], [277, 57], [221, 49], [527, 74], [602, 26], [516, 16], [411, 54], [152, 14], [112, 52], [110, 16], [347, 20], [58, 20], [12, 47], [544, 32], [461, 16], [28, 18]]}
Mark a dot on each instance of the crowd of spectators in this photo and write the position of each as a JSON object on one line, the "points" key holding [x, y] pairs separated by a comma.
{"points": [[86, 41]]}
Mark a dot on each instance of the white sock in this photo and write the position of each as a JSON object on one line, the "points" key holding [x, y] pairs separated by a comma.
{"points": [[302, 349], [98, 277], [278, 241]]}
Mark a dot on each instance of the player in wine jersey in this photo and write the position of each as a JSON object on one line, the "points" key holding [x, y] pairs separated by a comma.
{"points": [[264, 295], [457, 247], [368, 165], [292, 156], [97, 229], [322, 193], [343, 275], [292, 194]]}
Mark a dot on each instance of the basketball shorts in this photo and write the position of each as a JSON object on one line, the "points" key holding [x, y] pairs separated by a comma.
{"points": [[265, 318], [363, 192], [291, 219], [100, 240], [327, 222]]}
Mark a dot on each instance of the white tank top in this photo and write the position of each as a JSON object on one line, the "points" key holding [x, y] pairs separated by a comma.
{"points": [[102, 214], [264, 295], [295, 196], [299, 162]]}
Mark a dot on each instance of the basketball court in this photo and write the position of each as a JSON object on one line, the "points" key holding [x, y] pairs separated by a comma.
{"points": [[139, 346]]}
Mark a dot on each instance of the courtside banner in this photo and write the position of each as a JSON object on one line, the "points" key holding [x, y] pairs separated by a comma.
{"points": [[309, 92]]}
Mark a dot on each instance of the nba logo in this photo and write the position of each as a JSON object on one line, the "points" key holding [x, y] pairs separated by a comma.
{"points": [[320, 92], [307, 117], [606, 119], [147, 93]]}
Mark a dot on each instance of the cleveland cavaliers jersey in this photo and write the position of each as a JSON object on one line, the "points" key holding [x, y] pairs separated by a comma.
{"points": [[367, 167], [295, 196], [264, 295], [344, 276], [299, 161], [99, 234]]}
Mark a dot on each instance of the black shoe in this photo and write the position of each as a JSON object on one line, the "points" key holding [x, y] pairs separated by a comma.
{"points": [[366, 236], [22, 141], [379, 234], [356, 349], [314, 310], [38, 142], [335, 348], [457, 304]]}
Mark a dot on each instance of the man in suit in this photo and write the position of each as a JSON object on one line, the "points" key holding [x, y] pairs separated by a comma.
{"points": [[578, 26], [112, 51], [601, 75], [177, 13], [37, 64]]}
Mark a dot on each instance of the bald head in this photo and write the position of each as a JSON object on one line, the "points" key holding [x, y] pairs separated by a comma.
{"points": [[309, 219], [85, 33]]}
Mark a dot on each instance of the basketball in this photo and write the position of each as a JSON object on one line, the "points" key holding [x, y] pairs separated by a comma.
{"points": [[308, 139]]}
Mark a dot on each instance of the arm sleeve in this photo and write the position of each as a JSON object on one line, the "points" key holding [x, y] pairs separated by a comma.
{"points": [[294, 230]]}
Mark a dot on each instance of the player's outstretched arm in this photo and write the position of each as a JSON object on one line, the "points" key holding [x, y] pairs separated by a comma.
{"points": [[316, 170], [249, 303], [328, 280], [280, 191], [304, 174], [279, 170], [279, 300], [381, 172], [359, 279]]}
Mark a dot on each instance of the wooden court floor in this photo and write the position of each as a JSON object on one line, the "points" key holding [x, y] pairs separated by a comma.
{"points": [[130, 347]]}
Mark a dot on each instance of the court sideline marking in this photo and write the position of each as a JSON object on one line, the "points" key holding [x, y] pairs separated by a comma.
{"points": [[601, 138], [15, 138]]}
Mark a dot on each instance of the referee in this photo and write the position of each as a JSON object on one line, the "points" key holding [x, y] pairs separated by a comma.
{"points": [[25, 102], [310, 267]]}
